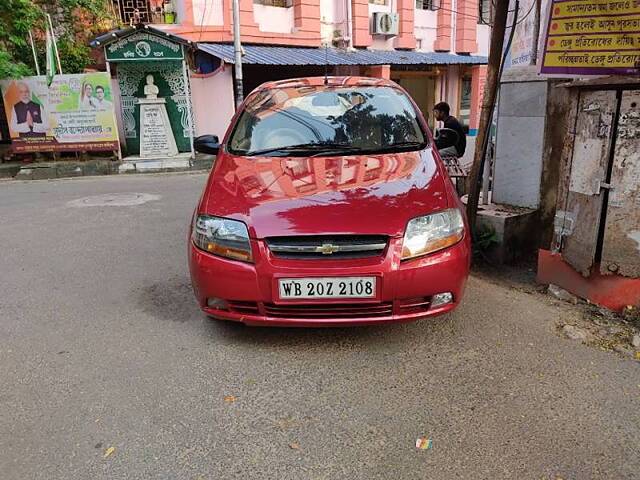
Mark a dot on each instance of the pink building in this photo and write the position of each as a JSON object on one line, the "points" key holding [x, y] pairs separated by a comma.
{"points": [[436, 49]]}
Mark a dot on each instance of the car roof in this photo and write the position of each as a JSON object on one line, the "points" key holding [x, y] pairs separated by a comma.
{"points": [[330, 82]]}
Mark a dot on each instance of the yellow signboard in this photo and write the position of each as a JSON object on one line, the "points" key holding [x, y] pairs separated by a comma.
{"points": [[592, 37]]}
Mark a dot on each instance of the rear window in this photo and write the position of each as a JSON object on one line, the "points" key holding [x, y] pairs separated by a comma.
{"points": [[370, 120]]}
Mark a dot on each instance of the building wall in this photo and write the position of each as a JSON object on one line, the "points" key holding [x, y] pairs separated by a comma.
{"points": [[334, 21], [426, 27], [212, 117], [297, 25], [274, 19], [484, 36], [348, 22], [208, 12]]}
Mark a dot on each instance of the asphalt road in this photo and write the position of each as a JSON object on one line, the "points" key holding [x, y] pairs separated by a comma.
{"points": [[103, 346]]}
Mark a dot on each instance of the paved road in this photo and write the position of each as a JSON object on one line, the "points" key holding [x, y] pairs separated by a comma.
{"points": [[103, 345]]}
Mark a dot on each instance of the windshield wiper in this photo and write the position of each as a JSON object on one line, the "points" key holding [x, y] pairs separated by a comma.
{"points": [[399, 146], [314, 147]]}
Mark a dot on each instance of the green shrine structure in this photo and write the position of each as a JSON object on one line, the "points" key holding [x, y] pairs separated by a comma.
{"points": [[135, 55]]}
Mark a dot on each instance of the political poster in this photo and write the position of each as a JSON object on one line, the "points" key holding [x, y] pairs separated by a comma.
{"points": [[75, 113], [592, 37]]}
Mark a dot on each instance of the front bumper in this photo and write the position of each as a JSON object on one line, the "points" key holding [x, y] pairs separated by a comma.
{"points": [[404, 293]]}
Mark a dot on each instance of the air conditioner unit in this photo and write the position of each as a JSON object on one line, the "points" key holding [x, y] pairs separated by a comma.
{"points": [[385, 23]]}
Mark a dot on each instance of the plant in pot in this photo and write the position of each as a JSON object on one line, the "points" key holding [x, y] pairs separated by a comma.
{"points": [[169, 13]]}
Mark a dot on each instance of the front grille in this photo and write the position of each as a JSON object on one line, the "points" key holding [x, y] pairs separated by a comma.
{"points": [[414, 304], [248, 308], [329, 310], [328, 247]]}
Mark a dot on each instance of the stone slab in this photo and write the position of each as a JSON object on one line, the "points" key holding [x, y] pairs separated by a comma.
{"points": [[518, 161], [523, 99]]}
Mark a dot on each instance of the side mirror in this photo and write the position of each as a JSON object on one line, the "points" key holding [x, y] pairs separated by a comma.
{"points": [[207, 144]]}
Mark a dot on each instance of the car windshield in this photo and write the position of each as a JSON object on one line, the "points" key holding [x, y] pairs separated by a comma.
{"points": [[308, 120]]}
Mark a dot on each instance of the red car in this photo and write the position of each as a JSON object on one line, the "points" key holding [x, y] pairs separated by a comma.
{"points": [[328, 205]]}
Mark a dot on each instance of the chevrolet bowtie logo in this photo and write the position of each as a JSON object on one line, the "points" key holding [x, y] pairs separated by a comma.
{"points": [[327, 249]]}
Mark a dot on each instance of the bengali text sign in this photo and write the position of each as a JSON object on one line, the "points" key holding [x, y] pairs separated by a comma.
{"points": [[587, 37]]}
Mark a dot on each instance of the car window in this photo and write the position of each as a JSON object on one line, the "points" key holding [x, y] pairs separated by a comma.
{"points": [[365, 119]]}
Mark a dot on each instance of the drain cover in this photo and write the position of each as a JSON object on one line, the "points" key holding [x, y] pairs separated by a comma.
{"points": [[114, 200]]}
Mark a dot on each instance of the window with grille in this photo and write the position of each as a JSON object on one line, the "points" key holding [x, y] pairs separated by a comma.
{"points": [[132, 12], [275, 3], [484, 12], [427, 4]]}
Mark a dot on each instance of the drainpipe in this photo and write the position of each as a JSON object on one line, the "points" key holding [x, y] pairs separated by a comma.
{"points": [[349, 24], [454, 25]]}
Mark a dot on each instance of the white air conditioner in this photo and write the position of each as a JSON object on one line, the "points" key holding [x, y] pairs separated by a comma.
{"points": [[385, 23]]}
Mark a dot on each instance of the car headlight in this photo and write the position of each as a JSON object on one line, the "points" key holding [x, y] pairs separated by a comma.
{"points": [[221, 236], [433, 232]]}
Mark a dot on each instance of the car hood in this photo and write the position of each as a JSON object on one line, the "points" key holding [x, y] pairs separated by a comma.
{"points": [[363, 194]]}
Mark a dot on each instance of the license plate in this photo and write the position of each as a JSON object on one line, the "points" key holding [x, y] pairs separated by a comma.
{"points": [[327, 287]]}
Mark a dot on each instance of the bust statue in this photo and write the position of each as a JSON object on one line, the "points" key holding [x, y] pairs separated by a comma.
{"points": [[151, 90]]}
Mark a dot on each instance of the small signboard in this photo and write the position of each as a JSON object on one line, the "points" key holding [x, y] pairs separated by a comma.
{"points": [[143, 46], [592, 37], [75, 113]]}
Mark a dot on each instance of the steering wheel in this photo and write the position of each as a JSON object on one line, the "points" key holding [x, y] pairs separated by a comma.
{"points": [[282, 137]]}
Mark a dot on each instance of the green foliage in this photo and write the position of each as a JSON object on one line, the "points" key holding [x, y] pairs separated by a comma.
{"points": [[74, 57], [75, 24], [483, 239], [17, 17], [11, 69]]}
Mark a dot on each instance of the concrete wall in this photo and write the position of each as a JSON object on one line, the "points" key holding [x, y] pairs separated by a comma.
{"points": [[333, 16], [520, 139], [425, 29], [452, 96], [484, 37], [273, 19], [259, 24], [208, 12], [213, 105]]}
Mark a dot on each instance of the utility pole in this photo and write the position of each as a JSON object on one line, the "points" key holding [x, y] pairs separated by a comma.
{"points": [[237, 50], [488, 102]]}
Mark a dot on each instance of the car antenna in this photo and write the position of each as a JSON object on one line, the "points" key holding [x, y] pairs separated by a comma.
{"points": [[326, 63]]}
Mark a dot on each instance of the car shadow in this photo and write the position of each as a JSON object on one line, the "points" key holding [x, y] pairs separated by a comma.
{"points": [[172, 300], [385, 336]]}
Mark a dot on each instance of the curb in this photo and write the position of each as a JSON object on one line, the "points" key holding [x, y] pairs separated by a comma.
{"points": [[92, 168]]}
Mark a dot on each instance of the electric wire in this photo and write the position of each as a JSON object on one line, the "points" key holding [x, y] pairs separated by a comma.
{"points": [[481, 21], [204, 13]]}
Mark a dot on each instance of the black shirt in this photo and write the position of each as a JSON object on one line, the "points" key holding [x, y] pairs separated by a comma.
{"points": [[448, 139]]}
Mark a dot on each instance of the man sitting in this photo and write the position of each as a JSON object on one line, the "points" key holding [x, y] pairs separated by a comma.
{"points": [[449, 143]]}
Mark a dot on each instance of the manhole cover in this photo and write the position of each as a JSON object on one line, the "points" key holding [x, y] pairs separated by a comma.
{"points": [[114, 200]]}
